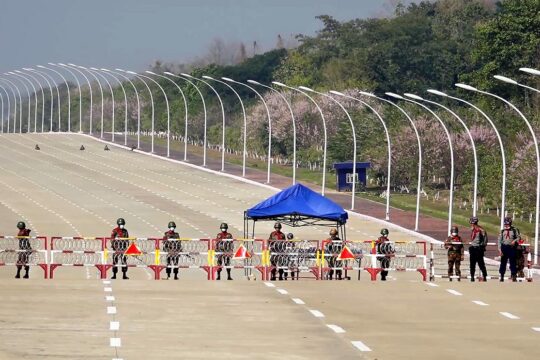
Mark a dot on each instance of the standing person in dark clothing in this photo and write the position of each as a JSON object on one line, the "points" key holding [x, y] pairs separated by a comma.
{"points": [[508, 242], [384, 247], [334, 247], [277, 246], [25, 250], [521, 251], [120, 244], [454, 244], [173, 247], [477, 248], [225, 247]]}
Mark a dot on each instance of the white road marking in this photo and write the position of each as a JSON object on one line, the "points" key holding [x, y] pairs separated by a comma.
{"points": [[481, 303], [536, 329], [115, 342], [282, 291], [107, 289], [109, 298], [316, 313], [454, 292], [336, 329], [298, 301], [114, 325], [106, 282], [111, 310], [360, 346], [508, 315], [269, 284], [432, 284]]}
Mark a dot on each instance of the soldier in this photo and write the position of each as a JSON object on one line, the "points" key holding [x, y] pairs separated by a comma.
{"points": [[477, 248], [25, 250], [119, 244], [173, 247], [225, 248], [334, 247], [508, 241], [521, 252], [293, 259], [277, 249], [384, 247], [454, 244]]}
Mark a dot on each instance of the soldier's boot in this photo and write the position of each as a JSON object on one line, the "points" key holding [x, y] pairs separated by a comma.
{"points": [[330, 274], [501, 278], [229, 274], [458, 276], [114, 271], [285, 274], [26, 270], [124, 275], [218, 274], [383, 275], [176, 274], [514, 278], [338, 275], [450, 276], [273, 275], [280, 274], [168, 271], [18, 276]]}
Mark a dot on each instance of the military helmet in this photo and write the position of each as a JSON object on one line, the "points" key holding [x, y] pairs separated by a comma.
{"points": [[454, 230], [473, 220], [171, 224], [385, 232], [277, 225], [508, 220], [290, 236], [21, 225], [121, 221], [333, 232], [224, 226]]}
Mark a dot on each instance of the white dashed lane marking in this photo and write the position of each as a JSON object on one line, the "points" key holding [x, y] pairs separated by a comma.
{"points": [[508, 315], [432, 284], [107, 289], [336, 329], [111, 310], [481, 303], [536, 329], [298, 301], [454, 292], [316, 313], [269, 284], [109, 298], [115, 342], [114, 325], [360, 345], [282, 291]]}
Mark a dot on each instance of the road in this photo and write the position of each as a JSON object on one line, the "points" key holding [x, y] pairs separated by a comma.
{"points": [[61, 190]]}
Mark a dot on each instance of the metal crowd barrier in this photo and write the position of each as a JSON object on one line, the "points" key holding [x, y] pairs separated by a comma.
{"points": [[14, 251], [77, 251], [439, 264]]}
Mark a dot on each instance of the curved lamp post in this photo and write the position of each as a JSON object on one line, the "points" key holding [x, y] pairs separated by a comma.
{"points": [[324, 129], [9, 108], [42, 98], [185, 109], [138, 107], [530, 71], [499, 139], [293, 122], [67, 88], [19, 77], [389, 150], [451, 200], [125, 104], [20, 104], [269, 126], [75, 67], [35, 97], [15, 105], [93, 74], [475, 157], [67, 68], [185, 78], [42, 75]]}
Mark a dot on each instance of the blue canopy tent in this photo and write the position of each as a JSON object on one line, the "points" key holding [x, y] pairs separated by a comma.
{"points": [[297, 205]]}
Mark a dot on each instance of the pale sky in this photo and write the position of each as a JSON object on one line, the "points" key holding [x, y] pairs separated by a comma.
{"points": [[133, 33]]}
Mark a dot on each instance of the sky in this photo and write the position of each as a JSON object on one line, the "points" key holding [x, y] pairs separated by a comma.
{"points": [[132, 34]]}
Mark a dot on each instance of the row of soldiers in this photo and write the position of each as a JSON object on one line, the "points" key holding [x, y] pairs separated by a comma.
{"points": [[510, 246]]}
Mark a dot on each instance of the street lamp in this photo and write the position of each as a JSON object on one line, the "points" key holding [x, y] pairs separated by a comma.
{"points": [[324, 128], [222, 115], [9, 108], [530, 71], [35, 97], [499, 139], [42, 98], [185, 110], [451, 152], [42, 75], [475, 158], [293, 123], [269, 128], [15, 106], [204, 111], [140, 76], [419, 180], [389, 150], [66, 68], [138, 107], [125, 103], [20, 103], [93, 74], [74, 67], [514, 82], [68, 93], [28, 96]]}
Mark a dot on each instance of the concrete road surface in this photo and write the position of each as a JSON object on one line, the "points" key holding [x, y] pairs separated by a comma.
{"points": [[61, 190]]}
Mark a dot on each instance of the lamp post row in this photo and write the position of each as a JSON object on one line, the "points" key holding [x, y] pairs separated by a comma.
{"points": [[27, 77]]}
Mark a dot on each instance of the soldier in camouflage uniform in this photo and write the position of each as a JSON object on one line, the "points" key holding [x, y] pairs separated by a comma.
{"points": [[508, 241], [119, 244], [477, 248], [384, 247], [277, 247], [225, 249], [521, 252], [334, 246], [454, 245], [173, 247], [25, 250]]}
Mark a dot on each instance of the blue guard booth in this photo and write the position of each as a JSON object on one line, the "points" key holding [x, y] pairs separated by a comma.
{"points": [[344, 172]]}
